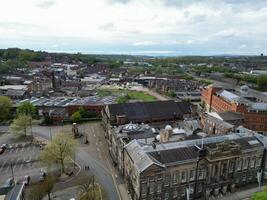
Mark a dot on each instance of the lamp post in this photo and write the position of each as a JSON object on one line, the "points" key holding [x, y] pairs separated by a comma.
{"points": [[11, 166]]}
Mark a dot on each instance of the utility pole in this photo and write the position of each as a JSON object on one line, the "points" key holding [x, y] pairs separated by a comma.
{"points": [[11, 165], [50, 133]]}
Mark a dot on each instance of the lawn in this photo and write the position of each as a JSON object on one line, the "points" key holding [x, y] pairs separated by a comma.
{"points": [[124, 96]]}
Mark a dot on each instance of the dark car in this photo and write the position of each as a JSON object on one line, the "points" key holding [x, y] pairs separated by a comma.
{"points": [[2, 150]]}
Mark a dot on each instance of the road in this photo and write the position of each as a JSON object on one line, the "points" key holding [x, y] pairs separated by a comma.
{"points": [[93, 155], [229, 84]]}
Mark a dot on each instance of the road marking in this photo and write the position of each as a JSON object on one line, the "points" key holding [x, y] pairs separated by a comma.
{"points": [[2, 167], [96, 143], [7, 169], [21, 165], [94, 135]]}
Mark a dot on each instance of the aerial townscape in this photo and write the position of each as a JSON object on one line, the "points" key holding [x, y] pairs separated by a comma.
{"points": [[133, 100]]}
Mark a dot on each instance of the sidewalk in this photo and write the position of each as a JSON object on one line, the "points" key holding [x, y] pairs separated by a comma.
{"points": [[242, 195]]}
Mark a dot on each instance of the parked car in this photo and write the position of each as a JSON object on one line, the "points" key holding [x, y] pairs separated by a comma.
{"points": [[9, 183], [2, 151], [6, 146]]}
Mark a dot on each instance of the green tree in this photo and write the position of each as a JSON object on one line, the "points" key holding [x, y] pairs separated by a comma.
{"points": [[262, 82], [36, 192], [5, 107], [86, 114], [39, 190], [76, 117], [26, 108], [48, 185], [21, 125], [90, 190], [58, 150]]}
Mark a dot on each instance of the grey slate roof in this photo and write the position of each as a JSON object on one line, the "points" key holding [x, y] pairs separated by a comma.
{"points": [[230, 116], [149, 110]]}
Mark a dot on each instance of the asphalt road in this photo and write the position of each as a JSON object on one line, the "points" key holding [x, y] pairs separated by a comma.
{"points": [[92, 155]]}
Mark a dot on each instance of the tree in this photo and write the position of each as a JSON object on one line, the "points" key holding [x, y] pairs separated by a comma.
{"points": [[262, 82], [76, 117], [5, 107], [26, 108], [48, 185], [36, 192], [21, 124], [90, 190], [39, 190], [59, 150]]}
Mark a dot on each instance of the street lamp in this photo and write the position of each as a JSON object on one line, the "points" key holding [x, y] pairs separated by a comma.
{"points": [[11, 166]]}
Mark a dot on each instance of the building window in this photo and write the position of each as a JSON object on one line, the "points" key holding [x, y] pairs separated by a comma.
{"points": [[245, 163], [183, 177], [175, 177], [182, 191], [167, 179], [166, 196], [201, 172], [258, 162], [252, 163], [192, 175], [244, 177], [175, 194], [159, 187], [151, 188], [231, 166], [239, 164], [144, 190]]}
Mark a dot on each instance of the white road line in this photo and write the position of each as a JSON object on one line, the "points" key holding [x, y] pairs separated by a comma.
{"points": [[2, 167], [7, 169], [96, 143], [21, 165], [94, 135], [97, 149]]}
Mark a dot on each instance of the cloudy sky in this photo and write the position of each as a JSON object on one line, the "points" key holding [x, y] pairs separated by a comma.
{"points": [[151, 27]]}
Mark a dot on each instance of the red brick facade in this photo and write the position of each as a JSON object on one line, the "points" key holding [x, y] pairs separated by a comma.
{"points": [[256, 121]]}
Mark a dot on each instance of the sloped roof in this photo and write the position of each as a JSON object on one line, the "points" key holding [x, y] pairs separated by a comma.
{"points": [[175, 155], [229, 116], [140, 158], [149, 110], [12, 92]]}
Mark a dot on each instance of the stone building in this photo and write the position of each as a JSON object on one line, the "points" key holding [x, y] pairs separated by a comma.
{"points": [[198, 169], [214, 126]]}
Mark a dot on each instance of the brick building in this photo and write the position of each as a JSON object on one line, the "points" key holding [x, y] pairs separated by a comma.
{"points": [[221, 100]]}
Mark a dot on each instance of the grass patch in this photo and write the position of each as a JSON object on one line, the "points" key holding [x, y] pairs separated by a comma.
{"points": [[124, 96]]}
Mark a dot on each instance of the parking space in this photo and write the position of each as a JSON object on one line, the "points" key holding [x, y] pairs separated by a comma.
{"points": [[21, 157]]}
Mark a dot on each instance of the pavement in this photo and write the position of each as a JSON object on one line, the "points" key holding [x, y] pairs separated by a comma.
{"points": [[243, 195], [95, 154]]}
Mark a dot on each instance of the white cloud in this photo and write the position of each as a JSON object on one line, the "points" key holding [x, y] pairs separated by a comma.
{"points": [[124, 24]]}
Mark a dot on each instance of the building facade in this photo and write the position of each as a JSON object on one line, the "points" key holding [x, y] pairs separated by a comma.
{"points": [[253, 111], [188, 170]]}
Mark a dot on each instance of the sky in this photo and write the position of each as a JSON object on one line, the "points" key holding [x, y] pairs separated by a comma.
{"points": [[137, 27]]}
